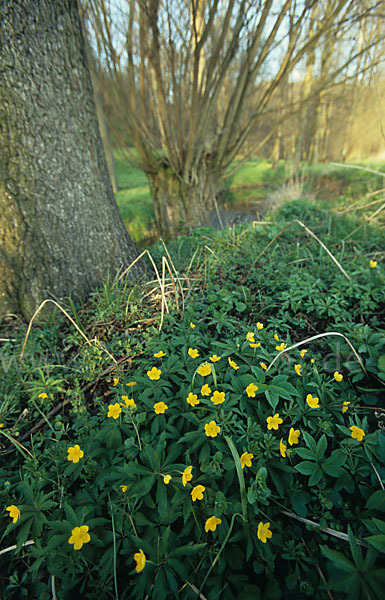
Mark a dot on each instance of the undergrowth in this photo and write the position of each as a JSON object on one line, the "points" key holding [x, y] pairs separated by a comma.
{"points": [[235, 452]]}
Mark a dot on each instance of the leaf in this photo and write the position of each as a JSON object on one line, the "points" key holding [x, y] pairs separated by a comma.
{"points": [[378, 541], [141, 488], [187, 550], [315, 478], [135, 469], [376, 501], [355, 549], [332, 470], [306, 453], [306, 467], [310, 442], [322, 445], [337, 559], [272, 399]]}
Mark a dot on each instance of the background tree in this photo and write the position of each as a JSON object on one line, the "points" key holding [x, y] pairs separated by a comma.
{"points": [[60, 230], [193, 77]]}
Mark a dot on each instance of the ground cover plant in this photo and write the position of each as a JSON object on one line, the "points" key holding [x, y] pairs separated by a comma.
{"points": [[235, 452]]}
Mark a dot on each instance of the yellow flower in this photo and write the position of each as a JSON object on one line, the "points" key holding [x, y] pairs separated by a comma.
{"points": [[205, 390], [212, 429], [74, 453], [312, 402], [192, 325], [357, 433], [337, 376], [192, 399], [14, 512], [211, 523], [186, 475], [114, 410], [197, 492], [123, 488], [255, 345], [215, 358], [160, 354], [154, 374], [115, 381], [251, 389], [281, 347], [1, 425], [302, 353], [79, 537], [246, 459], [233, 364], [204, 369], [218, 397], [293, 436], [43, 396], [312, 360], [140, 559], [345, 406], [274, 422], [193, 352], [276, 337], [264, 366], [259, 326], [160, 408], [131, 383], [250, 336], [129, 402], [166, 479], [373, 264], [297, 369], [264, 532], [282, 448]]}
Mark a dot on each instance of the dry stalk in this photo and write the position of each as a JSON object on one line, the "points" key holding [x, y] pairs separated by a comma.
{"points": [[316, 337], [328, 530], [155, 269], [89, 342], [313, 235], [63, 311], [178, 278]]}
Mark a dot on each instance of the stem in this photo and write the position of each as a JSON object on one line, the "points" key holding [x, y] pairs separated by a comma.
{"points": [[220, 550], [241, 479], [114, 540]]}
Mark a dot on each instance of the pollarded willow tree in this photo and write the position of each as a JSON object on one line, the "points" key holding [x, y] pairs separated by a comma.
{"points": [[193, 77], [60, 230]]}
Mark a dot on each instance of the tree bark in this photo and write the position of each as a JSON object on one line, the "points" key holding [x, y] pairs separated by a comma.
{"points": [[180, 206], [60, 230]]}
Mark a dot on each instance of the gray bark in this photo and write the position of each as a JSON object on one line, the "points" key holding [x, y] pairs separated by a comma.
{"points": [[60, 230]]}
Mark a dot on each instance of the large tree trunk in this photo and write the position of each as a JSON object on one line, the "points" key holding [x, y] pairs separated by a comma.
{"points": [[179, 206], [60, 230]]}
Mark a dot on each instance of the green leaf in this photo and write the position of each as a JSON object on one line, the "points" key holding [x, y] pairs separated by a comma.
{"points": [[310, 442], [315, 478], [338, 559], [306, 467], [355, 549], [378, 541], [321, 447], [135, 469], [272, 398], [381, 362], [332, 470], [376, 501], [187, 550], [306, 453]]}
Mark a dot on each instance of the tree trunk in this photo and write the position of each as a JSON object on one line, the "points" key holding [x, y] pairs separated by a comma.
{"points": [[60, 230], [179, 206]]}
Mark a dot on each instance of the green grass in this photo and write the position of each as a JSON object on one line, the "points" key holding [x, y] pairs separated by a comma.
{"points": [[134, 199]]}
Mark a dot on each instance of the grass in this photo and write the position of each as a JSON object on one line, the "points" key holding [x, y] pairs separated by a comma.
{"points": [[323, 496]]}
